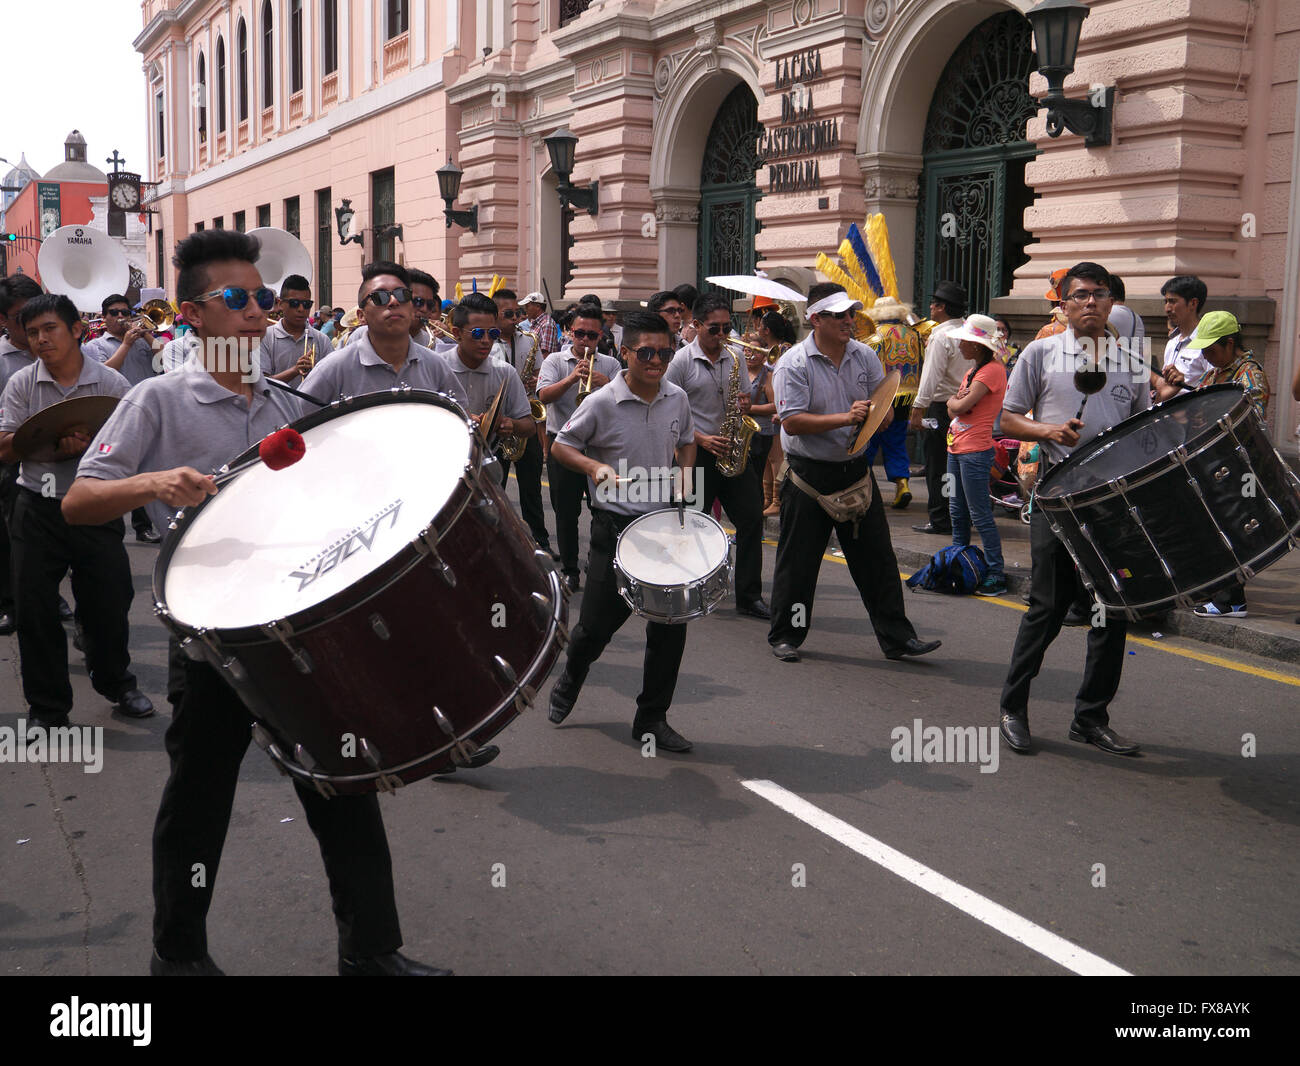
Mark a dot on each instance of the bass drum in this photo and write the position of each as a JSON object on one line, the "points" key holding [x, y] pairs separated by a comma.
{"points": [[378, 606], [1174, 504]]}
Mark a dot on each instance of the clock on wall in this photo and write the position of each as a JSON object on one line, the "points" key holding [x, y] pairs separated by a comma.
{"points": [[124, 191]]}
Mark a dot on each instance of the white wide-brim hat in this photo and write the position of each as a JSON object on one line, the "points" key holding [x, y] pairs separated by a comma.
{"points": [[981, 329]]}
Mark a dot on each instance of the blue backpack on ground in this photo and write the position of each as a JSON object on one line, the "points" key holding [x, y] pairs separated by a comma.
{"points": [[954, 569]]}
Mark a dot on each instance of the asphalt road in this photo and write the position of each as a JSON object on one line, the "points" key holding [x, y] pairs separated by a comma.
{"points": [[573, 853]]}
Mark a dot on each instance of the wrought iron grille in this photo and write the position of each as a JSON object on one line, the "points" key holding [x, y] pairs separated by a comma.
{"points": [[324, 249], [571, 9], [728, 193]]}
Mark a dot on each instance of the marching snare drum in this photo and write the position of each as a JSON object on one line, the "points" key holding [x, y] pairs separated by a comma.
{"points": [[378, 605], [668, 571], [1174, 504]]}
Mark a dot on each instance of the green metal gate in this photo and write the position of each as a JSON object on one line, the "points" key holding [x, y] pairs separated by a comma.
{"points": [[728, 193]]}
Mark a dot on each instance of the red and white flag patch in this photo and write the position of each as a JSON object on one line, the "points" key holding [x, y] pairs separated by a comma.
{"points": [[104, 449]]}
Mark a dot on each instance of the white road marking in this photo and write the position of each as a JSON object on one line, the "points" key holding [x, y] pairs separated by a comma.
{"points": [[1006, 922]]}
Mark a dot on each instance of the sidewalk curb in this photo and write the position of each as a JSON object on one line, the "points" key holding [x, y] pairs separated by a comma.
{"points": [[1221, 633]]}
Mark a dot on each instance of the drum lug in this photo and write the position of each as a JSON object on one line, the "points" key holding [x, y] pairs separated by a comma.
{"points": [[281, 630], [461, 750], [525, 698], [543, 605], [488, 507], [427, 545], [264, 741], [386, 782], [561, 635], [380, 627], [506, 671]]}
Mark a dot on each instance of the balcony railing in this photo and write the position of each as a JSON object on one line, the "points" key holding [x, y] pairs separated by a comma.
{"points": [[396, 54], [295, 107], [242, 138], [329, 90], [268, 122], [203, 153], [571, 9], [221, 146]]}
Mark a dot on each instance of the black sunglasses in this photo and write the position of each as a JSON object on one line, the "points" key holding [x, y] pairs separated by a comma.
{"points": [[839, 315], [586, 334], [421, 302], [237, 299], [380, 297], [713, 328], [118, 312], [299, 305], [648, 354]]}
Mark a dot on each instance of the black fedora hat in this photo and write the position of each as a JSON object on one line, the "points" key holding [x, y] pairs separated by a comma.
{"points": [[951, 293]]}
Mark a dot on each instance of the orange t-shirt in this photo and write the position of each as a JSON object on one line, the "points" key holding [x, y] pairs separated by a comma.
{"points": [[973, 431]]}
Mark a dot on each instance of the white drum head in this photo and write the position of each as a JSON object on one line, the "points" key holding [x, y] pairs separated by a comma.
{"points": [[273, 543], [656, 550]]}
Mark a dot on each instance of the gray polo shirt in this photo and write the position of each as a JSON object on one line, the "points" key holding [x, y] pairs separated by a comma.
{"points": [[555, 368], [12, 360], [807, 382], [638, 439], [1043, 382], [516, 353], [358, 369], [181, 419], [33, 389], [138, 364], [705, 383], [281, 352], [476, 389]]}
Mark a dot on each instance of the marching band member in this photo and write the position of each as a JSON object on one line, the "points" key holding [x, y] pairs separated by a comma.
{"points": [[644, 420], [384, 356], [514, 347], [703, 370], [823, 386], [14, 355], [291, 346], [673, 310], [157, 450], [476, 377], [563, 376], [45, 547], [424, 297], [125, 345], [1043, 382]]}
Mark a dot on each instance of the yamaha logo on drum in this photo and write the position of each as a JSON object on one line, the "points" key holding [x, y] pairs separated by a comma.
{"points": [[358, 538]]}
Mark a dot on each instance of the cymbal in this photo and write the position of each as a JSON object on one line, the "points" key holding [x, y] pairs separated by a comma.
{"points": [[487, 426], [37, 439], [881, 402]]}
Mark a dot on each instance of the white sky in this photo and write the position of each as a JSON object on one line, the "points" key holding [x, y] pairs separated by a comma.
{"points": [[69, 65]]}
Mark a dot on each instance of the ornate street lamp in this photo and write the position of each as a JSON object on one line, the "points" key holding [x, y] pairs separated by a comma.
{"points": [[449, 188], [560, 146], [344, 215], [1056, 41]]}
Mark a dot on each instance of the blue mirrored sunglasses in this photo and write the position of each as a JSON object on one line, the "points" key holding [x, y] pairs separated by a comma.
{"points": [[237, 299]]}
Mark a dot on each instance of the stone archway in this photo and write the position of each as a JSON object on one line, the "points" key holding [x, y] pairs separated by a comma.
{"points": [[695, 91]]}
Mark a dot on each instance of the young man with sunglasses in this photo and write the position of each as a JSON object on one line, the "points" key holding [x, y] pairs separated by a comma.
{"points": [[703, 371], [673, 311], [45, 547], [476, 377], [823, 386], [1044, 383], [384, 355], [642, 422], [126, 345], [159, 449], [424, 296], [291, 346], [562, 375]]}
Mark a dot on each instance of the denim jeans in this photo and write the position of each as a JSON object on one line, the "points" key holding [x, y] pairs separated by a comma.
{"points": [[969, 502]]}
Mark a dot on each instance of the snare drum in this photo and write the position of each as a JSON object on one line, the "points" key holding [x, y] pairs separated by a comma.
{"points": [[1174, 504], [378, 606], [671, 572]]}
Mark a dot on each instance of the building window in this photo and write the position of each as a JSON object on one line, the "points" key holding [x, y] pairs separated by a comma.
{"points": [[203, 100], [324, 248], [398, 15], [571, 9], [329, 36], [268, 56], [295, 46], [219, 222], [383, 198], [199, 227], [292, 219], [160, 252], [241, 222], [263, 216], [221, 85], [160, 120], [241, 74]]}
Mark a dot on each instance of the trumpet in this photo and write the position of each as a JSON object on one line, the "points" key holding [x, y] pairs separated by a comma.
{"points": [[584, 387]]}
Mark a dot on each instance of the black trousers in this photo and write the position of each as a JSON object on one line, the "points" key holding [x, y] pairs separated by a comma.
{"points": [[567, 490], [742, 499], [528, 472], [760, 447], [1054, 586], [603, 613], [8, 489], [206, 742], [140, 520], [936, 465], [45, 548], [868, 551]]}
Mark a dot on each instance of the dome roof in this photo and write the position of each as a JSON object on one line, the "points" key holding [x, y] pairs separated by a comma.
{"points": [[21, 174], [69, 170]]}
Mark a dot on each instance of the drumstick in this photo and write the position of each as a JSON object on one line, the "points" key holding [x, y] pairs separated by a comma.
{"points": [[277, 450], [289, 388]]}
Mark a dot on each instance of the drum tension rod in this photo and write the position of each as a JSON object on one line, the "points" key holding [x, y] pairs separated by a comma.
{"points": [[385, 781], [426, 543], [462, 751], [281, 630]]}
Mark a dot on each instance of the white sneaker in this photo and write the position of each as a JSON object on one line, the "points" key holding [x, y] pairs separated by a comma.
{"points": [[1209, 610]]}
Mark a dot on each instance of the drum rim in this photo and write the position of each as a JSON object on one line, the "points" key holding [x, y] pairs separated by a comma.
{"points": [[392, 570], [726, 555], [1238, 413], [623, 580]]}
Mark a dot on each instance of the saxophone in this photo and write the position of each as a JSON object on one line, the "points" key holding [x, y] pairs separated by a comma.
{"points": [[512, 447], [737, 428]]}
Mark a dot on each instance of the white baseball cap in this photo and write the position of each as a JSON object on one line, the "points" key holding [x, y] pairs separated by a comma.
{"points": [[836, 301], [533, 298]]}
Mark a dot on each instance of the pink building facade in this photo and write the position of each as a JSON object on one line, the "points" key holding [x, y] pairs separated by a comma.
{"points": [[733, 134]]}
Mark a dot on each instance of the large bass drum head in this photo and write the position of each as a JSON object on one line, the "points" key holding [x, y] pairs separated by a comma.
{"points": [[273, 543], [1141, 440]]}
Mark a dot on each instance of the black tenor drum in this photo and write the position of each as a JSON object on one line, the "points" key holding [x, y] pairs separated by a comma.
{"points": [[1174, 504], [378, 606]]}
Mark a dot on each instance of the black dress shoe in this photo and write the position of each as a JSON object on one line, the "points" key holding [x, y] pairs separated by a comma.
{"points": [[563, 696], [1103, 737], [394, 964], [55, 721], [134, 704], [65, 612], [204, 967], [930, 527], [755, 609], [482, 757], [914, 647], [1076, 617], [1015, 731], [7, 625], [666, 736], [573, 581], [787, 653], [148, 536]]}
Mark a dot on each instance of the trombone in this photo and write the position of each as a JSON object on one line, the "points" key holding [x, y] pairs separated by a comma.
{"points": [[160, 315], [770, 355]]}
